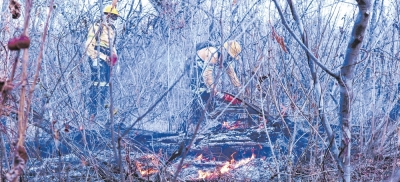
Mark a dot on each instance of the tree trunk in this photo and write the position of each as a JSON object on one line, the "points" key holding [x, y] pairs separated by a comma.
{"points": [[345, 81], [317, 85]]}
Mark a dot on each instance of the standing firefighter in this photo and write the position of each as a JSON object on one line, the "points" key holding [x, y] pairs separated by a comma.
{"points": [[203, 81], [102, 55]]}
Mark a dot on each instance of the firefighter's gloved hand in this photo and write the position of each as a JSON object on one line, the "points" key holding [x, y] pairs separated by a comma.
{"points": [[113, 59], [227, 98], [232, 99]]}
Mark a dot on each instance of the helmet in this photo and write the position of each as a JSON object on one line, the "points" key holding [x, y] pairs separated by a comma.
{"points": [[110, 9], [233, 48]]}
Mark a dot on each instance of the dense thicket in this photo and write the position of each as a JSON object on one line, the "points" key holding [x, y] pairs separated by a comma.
{"points": [[338, 81]]}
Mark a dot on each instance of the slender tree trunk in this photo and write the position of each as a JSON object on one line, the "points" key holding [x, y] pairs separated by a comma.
{"points": [[345, 82], [317, 85]]}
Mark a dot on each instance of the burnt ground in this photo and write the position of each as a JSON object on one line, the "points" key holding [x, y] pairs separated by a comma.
{"points": [[230, 147]]}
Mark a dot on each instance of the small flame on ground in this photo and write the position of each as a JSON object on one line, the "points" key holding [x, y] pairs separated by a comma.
{"points": [[225, 125], [244, 161], [225, 168], [235, 125], [233, 160], [203, 175], [198, 158], [145, 172], [146, 169], [229, 165]]}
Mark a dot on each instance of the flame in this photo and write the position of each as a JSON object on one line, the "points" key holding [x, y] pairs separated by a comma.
{"points": [[235, 125], [225, 125], [229, 165], [261, 126], [244, 161], [225, 168], [148, 172], [233, 160], [147, 168], [203, 175], [199, 158], [143, 171]]}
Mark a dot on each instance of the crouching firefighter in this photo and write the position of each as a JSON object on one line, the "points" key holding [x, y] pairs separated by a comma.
{"points": [[202, 79], [102, 55]]}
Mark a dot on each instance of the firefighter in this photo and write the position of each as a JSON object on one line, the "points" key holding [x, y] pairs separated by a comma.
{"points": [[210, 57], [102, 55], [202, 76]]}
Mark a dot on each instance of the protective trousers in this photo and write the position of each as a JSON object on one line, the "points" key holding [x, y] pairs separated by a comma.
{"points": [[100, 77]]}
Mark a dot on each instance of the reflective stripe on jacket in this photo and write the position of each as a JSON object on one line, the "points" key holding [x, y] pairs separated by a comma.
{"points": [[106, 36]]}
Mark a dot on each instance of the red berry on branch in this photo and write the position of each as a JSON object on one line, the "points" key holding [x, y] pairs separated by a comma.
{"points": [[23, 42], [12, 44]]}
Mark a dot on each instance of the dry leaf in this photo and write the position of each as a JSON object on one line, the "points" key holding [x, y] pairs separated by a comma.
{"points": [[15, 9], [279, 39]]}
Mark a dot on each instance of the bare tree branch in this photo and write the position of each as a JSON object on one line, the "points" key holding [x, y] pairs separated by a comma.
{"points": [[301, 44]]}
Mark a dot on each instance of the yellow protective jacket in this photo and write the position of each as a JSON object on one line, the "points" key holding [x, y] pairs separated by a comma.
{"points": [[106, 36], [210, 57]]}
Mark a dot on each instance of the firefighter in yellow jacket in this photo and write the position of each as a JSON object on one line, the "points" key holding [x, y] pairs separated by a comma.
{"points": [[102, 55], [210, 55], [203, 81]]}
